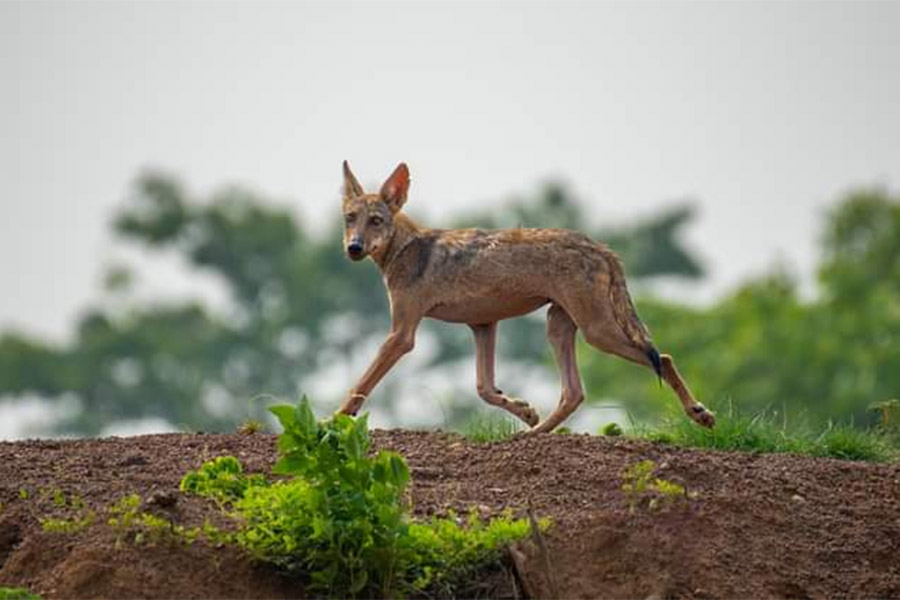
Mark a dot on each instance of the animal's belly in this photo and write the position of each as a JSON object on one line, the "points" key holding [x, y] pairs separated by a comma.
{"points": [[484, 310]]}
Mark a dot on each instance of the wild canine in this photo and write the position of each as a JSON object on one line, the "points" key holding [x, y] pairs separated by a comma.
{"points": [[479, 277]]}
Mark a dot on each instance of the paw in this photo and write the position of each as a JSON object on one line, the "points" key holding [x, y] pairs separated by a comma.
{"points": [[702, 416], [524, 411]]}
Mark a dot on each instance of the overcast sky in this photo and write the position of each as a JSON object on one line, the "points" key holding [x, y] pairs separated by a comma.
{"points": [[763, 112]]}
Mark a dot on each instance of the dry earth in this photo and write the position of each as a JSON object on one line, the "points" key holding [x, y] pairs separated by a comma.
{"points": [[759, 525]]}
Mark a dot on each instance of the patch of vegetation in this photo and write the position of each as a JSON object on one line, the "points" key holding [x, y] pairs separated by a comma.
{"points": [[140, 527], [642, 488], [73, 525], [763, 433], [251, 427], [888, 415], [611, 429], [9, 593], [341, 519], [490, 427], [130, 523], [222, 479]]}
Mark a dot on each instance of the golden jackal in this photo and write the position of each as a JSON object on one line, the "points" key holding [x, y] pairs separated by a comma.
{"points": [[479, 277]]}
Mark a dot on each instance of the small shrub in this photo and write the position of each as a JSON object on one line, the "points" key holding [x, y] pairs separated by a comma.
{"points": [[251, 427], [611, 429], [641, 488], [221, 479], [341, 518]]}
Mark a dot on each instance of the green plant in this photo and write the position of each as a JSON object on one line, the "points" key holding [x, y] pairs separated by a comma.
{"points": [[341, 518], [251, 426], [641, 488], [446, 552], [764, 432], [850, 443], [10, 593], [131, 523], [221, 479], [611, 429], [73, 525], [491, 427], [888, 415]]}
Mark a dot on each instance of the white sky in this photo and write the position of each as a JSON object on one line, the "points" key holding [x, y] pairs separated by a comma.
{"points": [[762, 112]]}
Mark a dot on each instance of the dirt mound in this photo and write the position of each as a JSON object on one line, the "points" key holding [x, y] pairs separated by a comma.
{"points": [[754, 526]]}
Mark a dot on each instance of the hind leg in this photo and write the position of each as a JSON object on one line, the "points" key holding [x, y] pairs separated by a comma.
{"points": [[692, 408], [485, 342], [561, 335], [611, 340]]}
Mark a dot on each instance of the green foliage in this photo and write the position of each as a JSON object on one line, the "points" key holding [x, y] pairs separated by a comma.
{"points": [[443, 551], [850, 443], [222, 479], [68, 526], [140, 527], [611, 429], [642, 489], [340, 518], [764, 433], [490, 427], [10, 593]]}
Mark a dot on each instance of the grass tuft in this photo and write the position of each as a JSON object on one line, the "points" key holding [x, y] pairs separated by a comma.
{"points": [[764, 432], [490, 427]]}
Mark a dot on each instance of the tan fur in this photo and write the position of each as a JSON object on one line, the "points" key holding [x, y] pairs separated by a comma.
{"points": [[479, 277]]}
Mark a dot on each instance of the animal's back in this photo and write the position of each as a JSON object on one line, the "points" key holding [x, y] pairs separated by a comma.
{"points": [[526, 259], [507, 272]]}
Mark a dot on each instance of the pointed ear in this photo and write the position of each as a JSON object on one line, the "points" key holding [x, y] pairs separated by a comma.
{"points": [[352, 189], [394, 190]]}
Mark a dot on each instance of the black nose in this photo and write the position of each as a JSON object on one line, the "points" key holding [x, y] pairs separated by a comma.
{"points": [[354, 249]]}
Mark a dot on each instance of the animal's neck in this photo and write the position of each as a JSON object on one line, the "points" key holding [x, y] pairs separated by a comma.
{"points": [[405, 231]]}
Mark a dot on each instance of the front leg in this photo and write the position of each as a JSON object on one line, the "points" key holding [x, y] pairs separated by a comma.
{"points": [[399, 342]]}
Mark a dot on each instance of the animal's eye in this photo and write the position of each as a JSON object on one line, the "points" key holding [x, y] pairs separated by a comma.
{"points": [[350, 217], [376, 221]]}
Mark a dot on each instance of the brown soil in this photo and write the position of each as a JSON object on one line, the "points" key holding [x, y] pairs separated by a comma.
{"points": [[758, 525]]}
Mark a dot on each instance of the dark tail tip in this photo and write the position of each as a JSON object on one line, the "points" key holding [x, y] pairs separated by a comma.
{"points": [[653, 355]]}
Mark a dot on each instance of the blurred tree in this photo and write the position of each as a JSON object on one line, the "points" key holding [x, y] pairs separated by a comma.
{"points": [[763, 348], [296, 304]]}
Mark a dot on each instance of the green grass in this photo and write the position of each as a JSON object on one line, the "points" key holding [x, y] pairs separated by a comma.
{"points": [[764, 433], [490, 427], [8, 593]]}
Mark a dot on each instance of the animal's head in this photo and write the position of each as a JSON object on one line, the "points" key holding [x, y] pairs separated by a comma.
{"points": [[369, 218]]}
